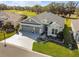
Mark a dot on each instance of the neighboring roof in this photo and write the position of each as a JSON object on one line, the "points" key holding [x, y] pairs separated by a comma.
{"points": [[75, 24], [10, 16], [47, 17], [3, 16]]}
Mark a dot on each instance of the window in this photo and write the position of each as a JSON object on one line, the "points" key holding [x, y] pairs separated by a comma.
{"points": [[56, 31], [77, 37], [52, 31]]}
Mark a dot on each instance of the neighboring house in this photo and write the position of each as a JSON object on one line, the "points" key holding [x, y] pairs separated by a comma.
{"points": [[11, 17], [75, 29], [55, 24]]}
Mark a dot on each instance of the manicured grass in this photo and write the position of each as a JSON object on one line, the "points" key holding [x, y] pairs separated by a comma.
{"points": [[25, 12], [7, 35], [53, 49]]}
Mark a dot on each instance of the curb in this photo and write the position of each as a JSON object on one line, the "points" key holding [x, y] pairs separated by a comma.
{"points": [[42, 55]]}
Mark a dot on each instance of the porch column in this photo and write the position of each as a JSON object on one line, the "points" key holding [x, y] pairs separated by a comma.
{"points": [[40, 31], [33, 30]]}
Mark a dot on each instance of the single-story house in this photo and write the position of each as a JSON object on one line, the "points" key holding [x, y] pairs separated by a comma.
{"points": [[35, 24], [75, 29]]}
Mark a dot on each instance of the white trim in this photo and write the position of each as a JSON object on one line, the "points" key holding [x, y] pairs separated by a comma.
{"points": [[35, 21], [31, 25]]}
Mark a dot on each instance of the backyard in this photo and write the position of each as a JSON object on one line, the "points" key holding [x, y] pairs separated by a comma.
{"points": [[25, 12], [54, 49]]}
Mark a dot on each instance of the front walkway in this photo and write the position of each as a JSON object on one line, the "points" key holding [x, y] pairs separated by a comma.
{"points": [[20, 40]]}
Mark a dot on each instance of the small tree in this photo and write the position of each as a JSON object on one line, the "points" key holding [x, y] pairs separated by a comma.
{"points": [[8, 27]]}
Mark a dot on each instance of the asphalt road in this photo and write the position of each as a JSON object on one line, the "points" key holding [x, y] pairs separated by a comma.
{"points": [[15, 51]]}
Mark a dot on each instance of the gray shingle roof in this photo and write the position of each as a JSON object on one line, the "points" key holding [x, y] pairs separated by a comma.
{"points": [[48, 17], [14, 18]]}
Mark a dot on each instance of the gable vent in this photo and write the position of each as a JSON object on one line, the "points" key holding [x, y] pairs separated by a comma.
{"points": [[45, 21]]}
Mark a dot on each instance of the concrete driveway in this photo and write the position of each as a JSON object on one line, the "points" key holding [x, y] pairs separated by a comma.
{"points": [[22, 41]]}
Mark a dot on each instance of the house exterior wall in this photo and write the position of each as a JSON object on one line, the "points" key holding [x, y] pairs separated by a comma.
{"points": [[75, 34], [74, 31], [54, 25], [77, 37], [31, 28]]}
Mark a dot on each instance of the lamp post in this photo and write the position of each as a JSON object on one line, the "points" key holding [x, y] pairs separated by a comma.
{"points": [[4, 39]]}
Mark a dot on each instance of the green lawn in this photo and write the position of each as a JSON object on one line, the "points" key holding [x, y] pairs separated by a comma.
{"points": [[53, 49], [25, 12], [7, 35]]}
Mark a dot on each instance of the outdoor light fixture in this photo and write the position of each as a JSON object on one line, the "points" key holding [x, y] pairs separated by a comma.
{"points": [[4, 40]]}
